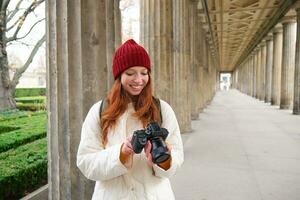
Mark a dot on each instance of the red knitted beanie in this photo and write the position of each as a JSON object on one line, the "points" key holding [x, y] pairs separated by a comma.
{"points": [[128, 55]]}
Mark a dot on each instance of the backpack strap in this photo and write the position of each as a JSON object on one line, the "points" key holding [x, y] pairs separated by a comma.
{"points": [[157, 103], [103, 106]]}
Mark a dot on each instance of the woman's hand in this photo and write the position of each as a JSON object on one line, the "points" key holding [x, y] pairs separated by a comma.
{"points": [[126, 153], [147, 150], [127, 147]]}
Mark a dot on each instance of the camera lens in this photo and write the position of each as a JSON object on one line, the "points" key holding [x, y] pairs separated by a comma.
{"points": [[159, 151]]}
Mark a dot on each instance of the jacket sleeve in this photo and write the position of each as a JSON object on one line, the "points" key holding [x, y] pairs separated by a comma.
{"points": [[174, 139], [95, 162]]}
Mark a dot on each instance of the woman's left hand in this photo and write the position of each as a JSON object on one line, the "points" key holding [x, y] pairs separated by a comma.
{"points": [[147, 150]]}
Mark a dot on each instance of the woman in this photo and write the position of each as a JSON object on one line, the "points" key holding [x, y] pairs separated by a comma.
{"points": [[105, 153]]}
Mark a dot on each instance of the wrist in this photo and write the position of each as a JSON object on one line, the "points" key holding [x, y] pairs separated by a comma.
{"points": [[125, 158]]}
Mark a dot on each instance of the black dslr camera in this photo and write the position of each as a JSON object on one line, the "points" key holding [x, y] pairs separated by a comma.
{"points": [[157, 136]]}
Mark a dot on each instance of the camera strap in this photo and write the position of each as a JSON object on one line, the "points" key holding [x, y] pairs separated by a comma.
{"points": [[156, 101]]}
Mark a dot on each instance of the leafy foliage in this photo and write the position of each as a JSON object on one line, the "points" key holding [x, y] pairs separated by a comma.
{"points": [[23, 169], [29, 92], [27, 130]]}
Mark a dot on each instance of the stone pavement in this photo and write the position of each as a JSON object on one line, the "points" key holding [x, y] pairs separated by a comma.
{"points": [[240, 149]]}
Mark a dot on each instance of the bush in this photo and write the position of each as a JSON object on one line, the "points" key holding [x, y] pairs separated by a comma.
{"points": [[29, 129], [31, 106], [13, 114], [23, 169], [4, 129], [28, 92], [35, 99]]}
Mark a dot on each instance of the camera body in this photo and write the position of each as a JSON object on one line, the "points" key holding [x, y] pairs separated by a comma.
{"points": [[157, 136]]}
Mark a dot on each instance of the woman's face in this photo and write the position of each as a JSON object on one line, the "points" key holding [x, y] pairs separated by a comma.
{"points": [[134, 79]]}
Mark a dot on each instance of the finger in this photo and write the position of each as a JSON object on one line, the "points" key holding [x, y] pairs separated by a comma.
{"points": [[149, 160], [129, 138], [127, 149], [148, 148], [169, 146]]}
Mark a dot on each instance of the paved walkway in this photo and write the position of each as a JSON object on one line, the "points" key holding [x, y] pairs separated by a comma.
{"points": [[241, 149]]}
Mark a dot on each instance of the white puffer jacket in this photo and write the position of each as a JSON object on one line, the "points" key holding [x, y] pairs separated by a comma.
{"points": [[113, 180]]}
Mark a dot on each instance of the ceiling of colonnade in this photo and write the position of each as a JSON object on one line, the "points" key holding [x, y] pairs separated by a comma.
{"points": [[235, 25]]}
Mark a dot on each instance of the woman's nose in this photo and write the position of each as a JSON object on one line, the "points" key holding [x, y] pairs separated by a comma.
{"points": [[138, 78]]}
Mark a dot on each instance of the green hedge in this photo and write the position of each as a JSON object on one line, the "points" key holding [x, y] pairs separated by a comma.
{"points": [[4, 129], [12, 114], [5, 116], [23, 169], [35, 99], [28, 92], [31, 106], [31, 128]]}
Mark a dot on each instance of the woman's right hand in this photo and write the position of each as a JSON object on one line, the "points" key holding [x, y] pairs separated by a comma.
{"points": [[127, 147], [126, 153]]}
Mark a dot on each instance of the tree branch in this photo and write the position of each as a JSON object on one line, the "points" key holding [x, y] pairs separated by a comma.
{"points": [[14, 12], [23, 18], [21, 70], [4, 5], [30, 29]]}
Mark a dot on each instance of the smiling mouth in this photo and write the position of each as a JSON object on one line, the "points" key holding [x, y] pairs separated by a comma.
{"points": [[136, 87]]}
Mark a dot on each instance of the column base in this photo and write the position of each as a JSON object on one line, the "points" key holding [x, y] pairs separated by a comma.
{"points": [[284, 106], [296, 112]]}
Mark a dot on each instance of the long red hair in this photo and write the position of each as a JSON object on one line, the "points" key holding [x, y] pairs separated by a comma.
{"points": [[117, 102]]}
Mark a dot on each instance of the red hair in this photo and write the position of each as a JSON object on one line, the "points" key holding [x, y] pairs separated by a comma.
{"points": [[118, 99]]}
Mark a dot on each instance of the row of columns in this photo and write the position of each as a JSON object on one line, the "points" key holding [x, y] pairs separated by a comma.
{"points": [[184, 73], [271, 72], [81, 39]]}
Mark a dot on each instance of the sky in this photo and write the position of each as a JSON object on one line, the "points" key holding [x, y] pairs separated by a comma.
{"points": [[130, 20], [18, 49], [130, 15]]}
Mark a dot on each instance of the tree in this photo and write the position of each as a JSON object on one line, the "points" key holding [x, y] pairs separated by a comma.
{"points": [[11, 25]]}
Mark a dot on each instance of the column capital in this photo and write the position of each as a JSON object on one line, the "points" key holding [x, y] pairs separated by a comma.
{"points": [[256, 49], [269, 37], [262, 43], [277, 28], [288, 20]]}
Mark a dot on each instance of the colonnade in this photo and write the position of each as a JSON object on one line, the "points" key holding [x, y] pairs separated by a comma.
{"points": [[271, 72], [185, 75], [81, 39]]}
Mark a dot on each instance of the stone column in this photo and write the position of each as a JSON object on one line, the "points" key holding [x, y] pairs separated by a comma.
{"points": [[245, 76], [113, 33], [288, 63], [277, 59], [198, 40], [258, 74], [157, 39], [263, 71], [181, 69], [193, 86], [269, 63], [76, 79], [296, 105], [250, 74], [253, 74]]}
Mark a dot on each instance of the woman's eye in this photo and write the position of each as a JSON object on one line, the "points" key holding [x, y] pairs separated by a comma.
{"points": [[144, 74], [129, 74]]}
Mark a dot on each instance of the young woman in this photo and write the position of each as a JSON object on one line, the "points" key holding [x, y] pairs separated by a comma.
{"points": [[105, 153]]}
